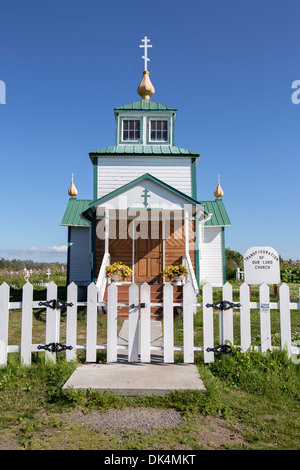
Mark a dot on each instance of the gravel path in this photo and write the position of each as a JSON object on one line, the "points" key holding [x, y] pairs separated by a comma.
{"points": [[135, 419]]}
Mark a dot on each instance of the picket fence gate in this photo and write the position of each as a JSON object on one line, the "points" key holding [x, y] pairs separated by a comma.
{"points": [[140, 322]]}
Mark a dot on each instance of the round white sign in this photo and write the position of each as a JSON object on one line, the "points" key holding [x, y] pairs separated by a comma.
{"points": [[261, 264]]}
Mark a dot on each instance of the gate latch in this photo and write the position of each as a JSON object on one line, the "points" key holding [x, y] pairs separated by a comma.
{"points": [[223, 305], [142, 305], [56, 303]]}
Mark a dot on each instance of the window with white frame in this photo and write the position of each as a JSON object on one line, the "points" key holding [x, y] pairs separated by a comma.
{"points": [[131, 130], [159, 131]]}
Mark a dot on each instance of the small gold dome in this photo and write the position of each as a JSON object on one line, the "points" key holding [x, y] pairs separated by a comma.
{"points": [[219, 191], [72, 190], [145, 88]]}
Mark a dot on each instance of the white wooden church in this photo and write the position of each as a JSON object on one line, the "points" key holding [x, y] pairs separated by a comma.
{"points": [[145, 210]]}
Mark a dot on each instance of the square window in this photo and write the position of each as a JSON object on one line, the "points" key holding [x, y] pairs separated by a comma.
{"points": [[131, 130], [159, 130]]}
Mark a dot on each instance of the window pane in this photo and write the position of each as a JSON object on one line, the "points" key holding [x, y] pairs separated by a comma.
{"points": [[159, 130], [131, 129]]}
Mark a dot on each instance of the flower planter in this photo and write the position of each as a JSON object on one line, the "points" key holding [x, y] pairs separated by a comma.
{"points": [[177, 280]]}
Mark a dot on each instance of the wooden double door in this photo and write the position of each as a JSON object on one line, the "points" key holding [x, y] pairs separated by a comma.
{"points": [[148, 252]]}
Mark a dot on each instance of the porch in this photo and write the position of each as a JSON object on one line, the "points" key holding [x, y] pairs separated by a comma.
{"points": [[147, 241]]}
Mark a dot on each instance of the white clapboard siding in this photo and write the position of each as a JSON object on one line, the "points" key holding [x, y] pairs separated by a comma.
{"points": [[114, 172], [139, 345], [80, 258], [211, 263]]}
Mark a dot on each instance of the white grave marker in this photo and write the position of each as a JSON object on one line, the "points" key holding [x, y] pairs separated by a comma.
{"points": [[261, 265]]}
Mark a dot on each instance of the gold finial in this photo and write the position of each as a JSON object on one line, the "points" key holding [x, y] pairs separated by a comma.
{"points": [[145, 88], [219, 191], [72, 190]]}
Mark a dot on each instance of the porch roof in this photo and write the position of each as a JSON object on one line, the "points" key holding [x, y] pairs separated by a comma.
{"points": [[72, 215], [78, 211], [88, 212], [219, 216]]}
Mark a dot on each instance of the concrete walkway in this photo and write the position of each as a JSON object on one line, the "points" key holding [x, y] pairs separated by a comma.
{"points": [[156, 339], [126, 378]]}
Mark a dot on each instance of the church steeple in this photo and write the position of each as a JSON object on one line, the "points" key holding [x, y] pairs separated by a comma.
{"points": [[219, 191], [72, 190], [145, 88]]}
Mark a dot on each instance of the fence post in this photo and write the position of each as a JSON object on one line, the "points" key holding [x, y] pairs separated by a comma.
{"points": [[208, 323], [188, 323], [71, 333], [26, 333], [4, 313], [91, 331], [265, 318], [168, 323], [145, 323], [285, 318], [133, 324], [112, 318], [52, 322], [226, 316], [245, 323]]}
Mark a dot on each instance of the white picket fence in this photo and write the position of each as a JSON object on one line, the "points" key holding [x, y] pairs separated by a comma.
{"points": [[140, 322]]}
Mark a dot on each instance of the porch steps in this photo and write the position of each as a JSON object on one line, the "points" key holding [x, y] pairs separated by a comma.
{"points": [[156, 296]]}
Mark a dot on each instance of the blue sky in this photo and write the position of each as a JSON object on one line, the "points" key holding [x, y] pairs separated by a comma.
{"points": [[227, 66]]}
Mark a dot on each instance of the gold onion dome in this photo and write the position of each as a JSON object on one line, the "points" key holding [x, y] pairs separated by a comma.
{"points": [[145, 88], [219, 191], [72, 190]]}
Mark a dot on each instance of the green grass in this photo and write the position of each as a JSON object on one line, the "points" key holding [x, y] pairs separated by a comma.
{"points": [[253, 396], [251, 402]]}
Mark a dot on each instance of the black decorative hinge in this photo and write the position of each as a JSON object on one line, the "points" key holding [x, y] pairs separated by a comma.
{"points": [[222, 348], [223, 305], [56, 303], [54, 347]]}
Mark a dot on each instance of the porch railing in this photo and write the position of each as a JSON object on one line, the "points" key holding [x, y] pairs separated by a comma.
{"points": [[102, 279]]}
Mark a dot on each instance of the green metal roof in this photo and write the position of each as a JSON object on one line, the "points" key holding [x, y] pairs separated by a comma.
{"points": [[145, 105], [77, 206], [218, 211], [74, 209], [164, 150]]}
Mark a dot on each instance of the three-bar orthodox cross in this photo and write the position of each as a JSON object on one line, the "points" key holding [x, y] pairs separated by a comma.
{"points": [[145, 46]]}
